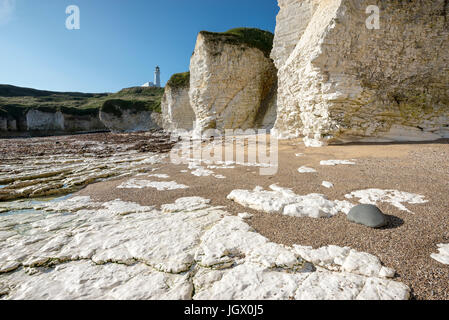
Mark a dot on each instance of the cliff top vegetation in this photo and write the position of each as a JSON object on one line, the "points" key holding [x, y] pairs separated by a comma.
{"points": [[16, 101], [179, 80], [252, 37]]}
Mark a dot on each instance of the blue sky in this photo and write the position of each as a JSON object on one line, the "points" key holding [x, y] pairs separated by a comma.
{"points": [[119, 43]]}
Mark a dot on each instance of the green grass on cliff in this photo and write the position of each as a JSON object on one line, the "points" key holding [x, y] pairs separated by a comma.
{"points": [[117, 106], [136, 98], [179, 80], [252, 37], [16, 101]]}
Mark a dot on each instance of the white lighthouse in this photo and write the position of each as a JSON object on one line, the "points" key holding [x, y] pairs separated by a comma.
{"points": [[157, 77]]}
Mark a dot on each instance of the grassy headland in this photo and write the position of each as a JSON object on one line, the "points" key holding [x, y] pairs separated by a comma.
{"points": [[16, 101]]}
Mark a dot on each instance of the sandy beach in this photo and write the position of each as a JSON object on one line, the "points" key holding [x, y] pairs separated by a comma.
{"points": [[405, 244]]}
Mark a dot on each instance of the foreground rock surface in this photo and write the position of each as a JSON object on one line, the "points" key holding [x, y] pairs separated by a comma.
{"points": [[340, 81], [185, 250], [231, 83]]}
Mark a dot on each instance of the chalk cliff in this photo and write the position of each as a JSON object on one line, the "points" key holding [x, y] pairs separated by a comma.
{"points": [[340, 81], [82, 123], [45, 121], [128, 116], [177, 113], [8, 124], [26, 111], [50, 122], [231, 79]]}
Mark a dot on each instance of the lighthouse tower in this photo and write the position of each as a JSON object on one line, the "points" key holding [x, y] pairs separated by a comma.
{"points": [[157, 77]]}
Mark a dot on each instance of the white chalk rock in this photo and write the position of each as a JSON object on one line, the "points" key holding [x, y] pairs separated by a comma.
{"points": [[331, 91], [336, 162], [231, 82], [305, 169], [443, 255], [159, 185], [186, 250], [245, 215], [327, 184], [345, 259], [285, 201], [394, 197], [177, 113]]}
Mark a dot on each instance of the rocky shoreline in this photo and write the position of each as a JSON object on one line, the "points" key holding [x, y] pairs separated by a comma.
{"points": [[61, 165], [214, 235], [176, 214]]}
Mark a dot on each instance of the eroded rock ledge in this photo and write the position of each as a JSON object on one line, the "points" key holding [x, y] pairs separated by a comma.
{"points": [[341, 82]]}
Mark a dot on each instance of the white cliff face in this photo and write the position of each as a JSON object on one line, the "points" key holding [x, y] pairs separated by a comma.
{"points": [[228, 83], [343, 82], [291, 22], [177, 112], [130, 121], [78, 123], [43, 121], [47, 121]]}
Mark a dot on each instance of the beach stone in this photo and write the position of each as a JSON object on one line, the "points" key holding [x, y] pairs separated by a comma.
{"points": [[368, 215]]}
